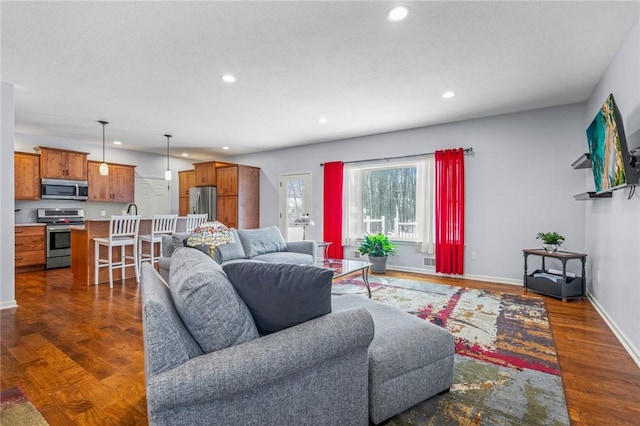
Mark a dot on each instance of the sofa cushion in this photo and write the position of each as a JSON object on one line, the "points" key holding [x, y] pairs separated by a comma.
{"points": [[281, 295], [231, 251], [208, 303], [261, 240], [179, 238], [285, 257]]}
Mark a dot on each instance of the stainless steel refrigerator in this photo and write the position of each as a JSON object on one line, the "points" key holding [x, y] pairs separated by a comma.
{"points": [[203, 200]]}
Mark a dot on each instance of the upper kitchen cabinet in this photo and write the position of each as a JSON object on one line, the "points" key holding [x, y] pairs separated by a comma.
{"points": [[118, 186], [62, 164], [205, 173], [26, 176]]}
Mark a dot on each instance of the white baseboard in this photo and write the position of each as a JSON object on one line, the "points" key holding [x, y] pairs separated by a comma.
{"points": [[622, 338], [8, 304], [498, 280]]}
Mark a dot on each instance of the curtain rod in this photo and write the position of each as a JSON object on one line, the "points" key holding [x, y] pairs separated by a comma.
{"points": [[466, 151]]}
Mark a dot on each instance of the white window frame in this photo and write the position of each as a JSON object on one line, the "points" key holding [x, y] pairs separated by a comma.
{"points": [[353, 215]]}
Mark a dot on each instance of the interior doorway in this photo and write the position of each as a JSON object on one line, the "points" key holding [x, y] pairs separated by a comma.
{"points": [[152, 196], [295, 201]]}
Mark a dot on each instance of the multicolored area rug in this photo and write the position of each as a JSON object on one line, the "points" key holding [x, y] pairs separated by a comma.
{"points": [[506, 369], [15, 409]]}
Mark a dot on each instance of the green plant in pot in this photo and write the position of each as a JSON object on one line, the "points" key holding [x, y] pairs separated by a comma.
{"points": [[377, 247], [550, 240]]}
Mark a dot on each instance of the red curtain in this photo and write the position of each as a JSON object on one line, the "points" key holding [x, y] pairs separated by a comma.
{"points": [[450, 211], [333, 208]]}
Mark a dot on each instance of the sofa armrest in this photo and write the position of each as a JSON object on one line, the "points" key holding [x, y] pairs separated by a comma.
{"points": [[262, 361], [305, 247]]}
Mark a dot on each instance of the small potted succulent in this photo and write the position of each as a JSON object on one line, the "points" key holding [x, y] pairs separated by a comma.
{"points": [[377, 247], [550, 240]]}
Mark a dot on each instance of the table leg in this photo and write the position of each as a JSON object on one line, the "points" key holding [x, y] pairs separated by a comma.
{"points": [[563, 288], [365, 278]]}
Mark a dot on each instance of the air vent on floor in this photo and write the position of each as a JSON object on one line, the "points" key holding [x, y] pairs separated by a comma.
{"points": [[429, 261]]}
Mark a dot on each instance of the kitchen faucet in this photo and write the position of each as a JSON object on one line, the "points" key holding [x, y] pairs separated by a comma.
{"points": [[129, 208]]}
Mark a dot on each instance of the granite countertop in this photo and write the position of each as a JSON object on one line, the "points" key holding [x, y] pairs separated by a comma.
{"points": [[107, 219], [31, 224]]}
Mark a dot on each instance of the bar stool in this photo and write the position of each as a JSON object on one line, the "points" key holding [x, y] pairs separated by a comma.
{"points": [[162, 224], [195, 220], [123, 232]]}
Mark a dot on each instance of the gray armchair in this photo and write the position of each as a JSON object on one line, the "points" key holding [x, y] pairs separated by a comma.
{"points": [[314, 373]]}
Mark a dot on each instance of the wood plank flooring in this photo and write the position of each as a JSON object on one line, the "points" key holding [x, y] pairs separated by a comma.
{"points": [[76, 351]]}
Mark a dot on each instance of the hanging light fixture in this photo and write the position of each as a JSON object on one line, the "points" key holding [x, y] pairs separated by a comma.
{"points": [[167, 173], [104, 169]]}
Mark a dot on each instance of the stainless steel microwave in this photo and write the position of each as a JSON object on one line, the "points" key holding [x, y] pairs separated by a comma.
{"points": [[60, 189]]}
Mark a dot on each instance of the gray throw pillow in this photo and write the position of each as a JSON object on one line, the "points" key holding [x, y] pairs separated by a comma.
{"points": [[261, 240], [178, 239], [208, 303], [281, 295], [230, 251]]}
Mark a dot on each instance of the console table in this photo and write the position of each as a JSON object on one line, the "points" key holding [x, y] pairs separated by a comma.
{"points": [[555, 285]]}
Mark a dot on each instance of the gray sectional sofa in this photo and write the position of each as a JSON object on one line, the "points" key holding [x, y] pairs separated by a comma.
{"points": [[257, 245], [206, 362]]}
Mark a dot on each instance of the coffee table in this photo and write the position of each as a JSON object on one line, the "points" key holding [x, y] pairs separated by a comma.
{"points": [[342, 267]]}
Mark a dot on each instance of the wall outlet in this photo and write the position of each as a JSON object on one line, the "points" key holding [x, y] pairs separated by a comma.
{"points": [[598, 277], [356, 254], [103, 213], [474, 256]]}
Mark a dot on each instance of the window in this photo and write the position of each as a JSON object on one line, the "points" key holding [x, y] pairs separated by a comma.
{"points": [[395, 198]]}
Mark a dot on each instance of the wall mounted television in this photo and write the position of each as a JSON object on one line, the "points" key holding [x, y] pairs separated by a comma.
{"points": [[610, 161]]}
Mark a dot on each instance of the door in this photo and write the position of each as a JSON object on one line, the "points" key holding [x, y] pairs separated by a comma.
{"points": [[152, 196], [295, 201]]}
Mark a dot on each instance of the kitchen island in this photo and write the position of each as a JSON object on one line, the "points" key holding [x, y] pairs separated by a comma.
{"points": [[83, 248]]}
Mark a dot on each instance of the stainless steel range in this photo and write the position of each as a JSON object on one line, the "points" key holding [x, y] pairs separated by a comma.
{"points": [[59, 222]]}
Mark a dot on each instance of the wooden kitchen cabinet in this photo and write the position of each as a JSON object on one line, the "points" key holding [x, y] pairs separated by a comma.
{"points": [[26, 176], [186, 181], [30, 248], [62, 164], [205, 173], [118, 186], [238, 196]]}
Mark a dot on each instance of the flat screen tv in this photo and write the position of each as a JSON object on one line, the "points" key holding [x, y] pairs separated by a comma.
{"points": [[610, 162]]}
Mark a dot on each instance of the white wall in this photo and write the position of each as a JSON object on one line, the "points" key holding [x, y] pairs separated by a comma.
{"points": [[518, 182], [147, 165], [612, 226], [7, 236]]}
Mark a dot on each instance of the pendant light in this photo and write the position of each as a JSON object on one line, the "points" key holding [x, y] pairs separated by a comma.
{"points": [[104, 169], [167, 173]]}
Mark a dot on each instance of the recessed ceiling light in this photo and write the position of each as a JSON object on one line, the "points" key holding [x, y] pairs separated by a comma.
{"points": [[184, 154], [117, 143], [225, 148], [228, 78], [398, 13], [448, 95], [322, 120]]}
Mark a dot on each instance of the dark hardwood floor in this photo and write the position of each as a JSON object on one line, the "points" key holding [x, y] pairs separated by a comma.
{"points": [[76, 351]]}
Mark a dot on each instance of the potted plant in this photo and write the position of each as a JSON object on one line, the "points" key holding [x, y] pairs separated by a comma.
{"points": [[377, 247], [550, 240]]}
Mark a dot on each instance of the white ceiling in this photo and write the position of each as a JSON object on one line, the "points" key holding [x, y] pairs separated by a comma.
{"points": [[151, 68]]}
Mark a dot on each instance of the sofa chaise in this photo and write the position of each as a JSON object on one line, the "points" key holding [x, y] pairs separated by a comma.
{"points": [[362, 362]]}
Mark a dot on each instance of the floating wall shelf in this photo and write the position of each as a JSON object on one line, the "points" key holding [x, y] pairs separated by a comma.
{"points": [[584, 162], [591, 196]]}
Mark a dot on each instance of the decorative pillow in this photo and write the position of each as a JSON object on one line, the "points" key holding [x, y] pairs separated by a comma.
{"points": [[262, 240], [230, 251], [281, 295], [211, 234], [178, 239], [208, 303]]}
